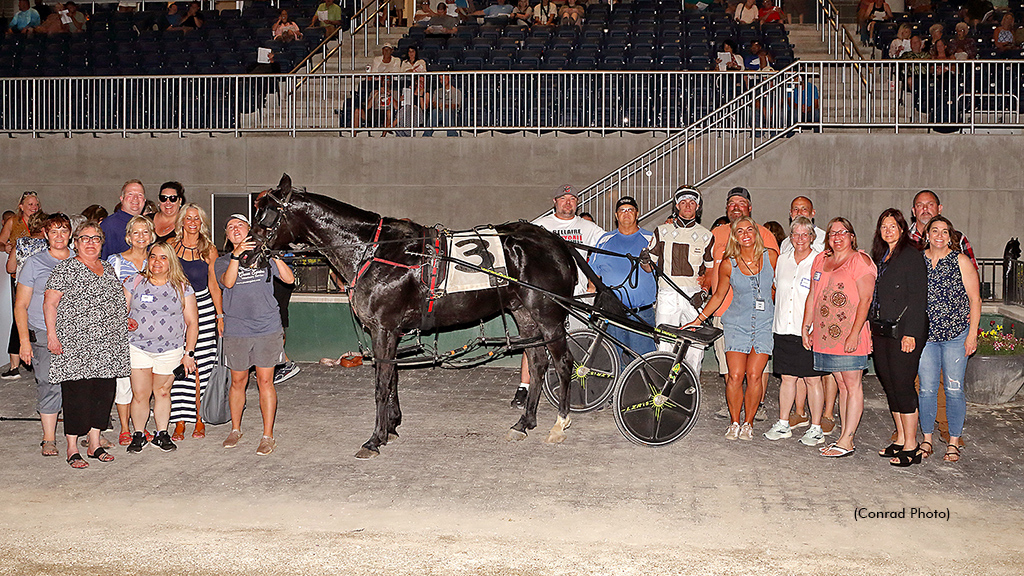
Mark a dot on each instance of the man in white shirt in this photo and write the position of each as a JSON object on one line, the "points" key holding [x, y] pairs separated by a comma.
{"points": [[571, 227], [802, 206], [385, 63]]}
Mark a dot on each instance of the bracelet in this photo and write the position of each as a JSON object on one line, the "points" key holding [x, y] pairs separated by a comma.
{"points": [[220, 316], [233, 257]]}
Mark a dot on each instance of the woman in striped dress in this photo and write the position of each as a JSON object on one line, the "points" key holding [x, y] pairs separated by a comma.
{"points": [[194, 247]]}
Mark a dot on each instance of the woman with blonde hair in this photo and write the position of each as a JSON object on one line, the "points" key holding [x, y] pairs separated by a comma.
{"points": [[193, 245], [163, 324], [747, 322], [13, 229]]}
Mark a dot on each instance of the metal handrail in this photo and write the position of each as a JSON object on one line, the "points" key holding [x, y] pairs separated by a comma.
{"points": [[377, 7], [312, 53]]}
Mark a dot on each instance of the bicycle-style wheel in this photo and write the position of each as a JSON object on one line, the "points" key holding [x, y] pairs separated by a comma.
{"points": [[595, 365], [648, 414]]}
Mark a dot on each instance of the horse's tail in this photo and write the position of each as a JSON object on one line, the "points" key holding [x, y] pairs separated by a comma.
{"points": [[606, 300]]}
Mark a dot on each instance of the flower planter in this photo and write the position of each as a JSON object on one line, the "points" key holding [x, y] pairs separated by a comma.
{"points": [[994, 379]]}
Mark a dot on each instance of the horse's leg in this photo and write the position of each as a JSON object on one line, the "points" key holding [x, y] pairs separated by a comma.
{"points": [[385, 346], [394, 411], [559, 350], [536, 359]]}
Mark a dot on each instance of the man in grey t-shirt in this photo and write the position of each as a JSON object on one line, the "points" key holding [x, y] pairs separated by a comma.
{"points": [[253, 335]]}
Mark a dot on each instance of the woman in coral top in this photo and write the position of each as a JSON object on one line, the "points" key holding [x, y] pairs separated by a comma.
{"points": [[835, 323]]}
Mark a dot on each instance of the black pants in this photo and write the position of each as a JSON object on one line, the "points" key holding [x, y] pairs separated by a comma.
{"points": [[14, 344], [896, 370], [87, 404]]}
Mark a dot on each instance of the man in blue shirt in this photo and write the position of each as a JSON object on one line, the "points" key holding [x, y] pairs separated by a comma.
{"points": [[634, 287], [26, 19], [133, 200]]}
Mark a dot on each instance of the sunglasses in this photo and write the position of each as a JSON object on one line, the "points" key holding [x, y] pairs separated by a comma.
{"points": [[168, 198], [27, 194]]}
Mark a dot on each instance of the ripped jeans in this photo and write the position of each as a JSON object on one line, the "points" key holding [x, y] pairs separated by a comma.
{"points": [[946, 360]]}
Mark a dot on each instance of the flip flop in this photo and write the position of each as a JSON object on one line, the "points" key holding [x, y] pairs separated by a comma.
{"points": [[836, 451], [102, 455], [49, 447], [76, 461]]}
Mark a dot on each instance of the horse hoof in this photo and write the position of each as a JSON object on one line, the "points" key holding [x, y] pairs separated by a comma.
{"points": [[555, 437], [365, 453], [515, 435]]}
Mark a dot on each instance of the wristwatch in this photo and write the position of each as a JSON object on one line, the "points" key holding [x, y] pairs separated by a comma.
{"points": [[191, 353]]}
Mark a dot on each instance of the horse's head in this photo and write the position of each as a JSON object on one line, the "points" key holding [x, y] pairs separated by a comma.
{"points": [[1012, 249], [272, 226]]}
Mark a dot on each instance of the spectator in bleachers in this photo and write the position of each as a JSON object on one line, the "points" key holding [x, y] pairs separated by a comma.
{"points": [[770, 13], [381, 105], [445, 106], [78, 19], [442, 22], [328, 16], [545, 13], [423, 14], [805, 101], [385, 63], [759, 59], [51, 24], [415, 100], [871, 12], [728, 58], [962, 46], [499, 12], [523, 14], [747, 12], [413, 62], [901, 43], [571, 13], [25, 20], [170, 18], [1002, 37], [285, 29], [937, 44], [192, 19]]}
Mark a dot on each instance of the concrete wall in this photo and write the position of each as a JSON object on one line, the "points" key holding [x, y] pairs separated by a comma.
{"points": [[466, 181]]}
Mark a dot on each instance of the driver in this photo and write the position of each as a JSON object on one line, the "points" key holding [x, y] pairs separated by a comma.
{"points": [[683, 249], [253, 335], [569, 226]]}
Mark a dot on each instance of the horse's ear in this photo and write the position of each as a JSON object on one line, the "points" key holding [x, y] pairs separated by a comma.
{"points": [[285, 185]]}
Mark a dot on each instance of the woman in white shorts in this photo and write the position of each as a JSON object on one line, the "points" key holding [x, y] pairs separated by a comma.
{"points": [[164, 324]]}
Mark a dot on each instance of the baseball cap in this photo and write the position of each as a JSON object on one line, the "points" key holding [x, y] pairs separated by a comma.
{"points": [[738, 191], [626, 200], [688, 192], [241, 217], [387, 45], [567, 189]]}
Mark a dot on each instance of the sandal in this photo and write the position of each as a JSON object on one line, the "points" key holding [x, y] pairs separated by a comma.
{"points": [[926, 452], [200, 431], [124, 438], [179, 432], [905, 458], [49, 447], [837, 451], [891, 450], [102, 455], [953, 456], [76, 461]]}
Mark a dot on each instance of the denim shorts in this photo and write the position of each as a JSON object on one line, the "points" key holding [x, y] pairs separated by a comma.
{"points": [[839, 363]]}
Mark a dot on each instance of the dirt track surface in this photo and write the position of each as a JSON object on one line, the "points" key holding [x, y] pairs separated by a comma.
{"points": [[451, 496]]}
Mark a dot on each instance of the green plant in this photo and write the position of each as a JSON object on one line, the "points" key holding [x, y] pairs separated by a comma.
{"points": [[995, 342]]}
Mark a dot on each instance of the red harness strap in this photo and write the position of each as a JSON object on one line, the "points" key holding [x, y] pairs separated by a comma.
{"points": [[376, 238]]}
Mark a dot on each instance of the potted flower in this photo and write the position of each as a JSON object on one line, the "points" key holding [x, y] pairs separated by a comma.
{"points": [[996, 371]]}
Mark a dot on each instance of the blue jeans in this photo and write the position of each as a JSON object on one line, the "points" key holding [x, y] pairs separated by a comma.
{"points": [[447, 117], [639, 343], [949, 358]]}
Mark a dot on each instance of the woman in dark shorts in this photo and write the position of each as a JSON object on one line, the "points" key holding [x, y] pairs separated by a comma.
{"points": [[791, 360]]}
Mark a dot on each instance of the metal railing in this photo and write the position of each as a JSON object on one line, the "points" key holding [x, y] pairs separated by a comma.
{"points": [[1002, 280], [891, 95], [837, 39]]}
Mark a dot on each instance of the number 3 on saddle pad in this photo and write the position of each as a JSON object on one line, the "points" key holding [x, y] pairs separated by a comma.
{"points": [[480, 248]]}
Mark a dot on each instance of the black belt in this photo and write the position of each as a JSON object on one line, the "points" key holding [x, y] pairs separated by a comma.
{"points": [[642, 308]]}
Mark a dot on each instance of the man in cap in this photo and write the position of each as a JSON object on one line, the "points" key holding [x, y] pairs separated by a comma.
{"points": [[682, 248], [385, 63], [737, 205], [637, 293], [571, 227], [253, 335]]}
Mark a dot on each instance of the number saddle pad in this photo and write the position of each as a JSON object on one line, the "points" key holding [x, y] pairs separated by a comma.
{"points": [[481, 248]]}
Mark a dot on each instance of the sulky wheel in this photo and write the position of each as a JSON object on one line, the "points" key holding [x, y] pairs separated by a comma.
{"points": [[595, 364], [647, 410]]}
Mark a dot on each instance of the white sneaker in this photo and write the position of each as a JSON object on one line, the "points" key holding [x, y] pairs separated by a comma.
{"points": [[813, 436], [746, 432], [733, 432], [778, 431]]}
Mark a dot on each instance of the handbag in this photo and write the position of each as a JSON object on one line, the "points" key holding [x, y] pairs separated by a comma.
{"points": [[213, 406], [883, 328]]}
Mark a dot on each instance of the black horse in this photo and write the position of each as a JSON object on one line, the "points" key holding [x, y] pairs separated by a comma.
{"points": [[379, 259]]}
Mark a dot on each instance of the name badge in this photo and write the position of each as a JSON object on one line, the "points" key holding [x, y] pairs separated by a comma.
{"points": [[817, 276], [148, 298], [805, 282], [759, 305]]}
